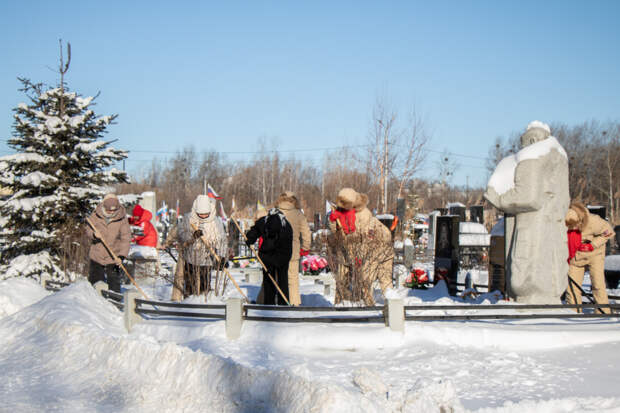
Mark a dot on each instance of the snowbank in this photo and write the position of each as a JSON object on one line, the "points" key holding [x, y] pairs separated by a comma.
{"points": [[17, 293], [69, 352]]}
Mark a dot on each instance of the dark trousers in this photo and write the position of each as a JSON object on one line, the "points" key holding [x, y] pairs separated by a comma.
{"points": [[271, 294], [197, 279], [107, 273]]}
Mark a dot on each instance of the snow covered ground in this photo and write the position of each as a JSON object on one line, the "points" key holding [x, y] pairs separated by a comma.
{"points": [[68, 351]]}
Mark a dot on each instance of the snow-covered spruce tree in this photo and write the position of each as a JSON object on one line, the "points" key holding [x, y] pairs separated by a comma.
{"points": [[58, 175]]}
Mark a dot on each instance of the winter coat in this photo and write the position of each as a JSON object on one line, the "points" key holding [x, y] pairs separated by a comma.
{"points": [[368, 247], [114, 230], [595, 230], [539, 199], [195, 252], [299, 223], [277, 233], [142, 218]]}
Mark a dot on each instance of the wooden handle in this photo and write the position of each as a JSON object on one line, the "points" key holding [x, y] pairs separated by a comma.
{"points": [[217, 258], [261, 261], [107, 247]]}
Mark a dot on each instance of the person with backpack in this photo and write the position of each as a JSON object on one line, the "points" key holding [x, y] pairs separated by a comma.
{"points": [[275, 251]]}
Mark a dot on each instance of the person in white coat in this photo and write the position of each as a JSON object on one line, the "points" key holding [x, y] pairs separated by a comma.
{"points": [[201, 223]]}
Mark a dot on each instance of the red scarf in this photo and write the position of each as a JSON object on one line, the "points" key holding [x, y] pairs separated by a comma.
{"points": [[346, 218], [574, 241]]}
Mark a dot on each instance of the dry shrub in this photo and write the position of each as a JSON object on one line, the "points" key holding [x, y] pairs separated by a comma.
{"points": [[357, 261], [74, 248]]}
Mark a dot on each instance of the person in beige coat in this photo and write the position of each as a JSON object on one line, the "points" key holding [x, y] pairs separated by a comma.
{"points": [[288, 203], [367, 244], [595, 232], [110, 219]]}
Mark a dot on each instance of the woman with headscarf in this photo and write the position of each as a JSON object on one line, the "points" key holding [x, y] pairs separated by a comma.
{"points": [[200, 224], [110, 219]]}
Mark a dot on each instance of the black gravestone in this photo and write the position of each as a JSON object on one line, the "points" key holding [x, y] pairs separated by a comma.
{"points": [[601, 211], [458, 210], [476, 214], [447, 251]]}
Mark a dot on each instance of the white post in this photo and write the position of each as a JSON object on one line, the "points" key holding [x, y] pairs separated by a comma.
{"points": [[395, 314], [327, 288], [234, 317], [129, 313], [44, 279], [100, 286]]}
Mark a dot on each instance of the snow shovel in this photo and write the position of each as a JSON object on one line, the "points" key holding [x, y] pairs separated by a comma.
{"points": [[261, 261], [217, 258], [113, 255]]}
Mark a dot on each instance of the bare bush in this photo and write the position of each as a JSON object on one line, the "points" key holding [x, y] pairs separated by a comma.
{"points": [[358, 260]]}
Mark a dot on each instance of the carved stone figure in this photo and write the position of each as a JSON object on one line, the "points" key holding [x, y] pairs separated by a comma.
{"points": [[532, 185]]}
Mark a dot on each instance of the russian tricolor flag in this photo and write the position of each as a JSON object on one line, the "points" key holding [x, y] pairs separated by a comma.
{"points": [[211, 193]]}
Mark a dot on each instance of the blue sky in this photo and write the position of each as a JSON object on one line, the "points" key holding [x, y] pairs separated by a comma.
{"points": [[220, 75]]}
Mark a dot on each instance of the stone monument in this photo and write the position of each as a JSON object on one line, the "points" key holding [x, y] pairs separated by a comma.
{"points": [[532, 187]]}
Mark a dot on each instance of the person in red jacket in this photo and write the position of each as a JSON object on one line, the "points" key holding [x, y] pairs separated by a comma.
{"points": [[142, 218]]}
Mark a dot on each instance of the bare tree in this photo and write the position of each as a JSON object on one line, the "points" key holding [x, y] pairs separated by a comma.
{"points": [[395, 150]]}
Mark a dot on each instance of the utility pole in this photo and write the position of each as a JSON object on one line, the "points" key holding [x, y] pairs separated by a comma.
{"points": [[385, 174]]}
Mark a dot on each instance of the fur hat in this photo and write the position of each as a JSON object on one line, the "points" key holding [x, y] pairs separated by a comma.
{"points": [[577, 216], [290, 197], [361, 201], [111, 203], [347, 198]]}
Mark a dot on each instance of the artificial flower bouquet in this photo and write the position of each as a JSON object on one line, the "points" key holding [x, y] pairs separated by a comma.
{"points": [[314, 265], [418, 278]]}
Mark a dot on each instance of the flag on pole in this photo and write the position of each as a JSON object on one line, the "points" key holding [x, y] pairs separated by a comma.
{"points": [[222, 211], [328, 207], [211, 193], [162, 213]]}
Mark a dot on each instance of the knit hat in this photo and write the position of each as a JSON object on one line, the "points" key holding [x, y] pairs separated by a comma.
{"points": [[111, 203]]}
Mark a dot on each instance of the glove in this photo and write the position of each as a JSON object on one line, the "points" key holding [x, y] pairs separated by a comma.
{"points": [[197, 234], [119, 260], [303, 252], [223, 264], [586, 248]]}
